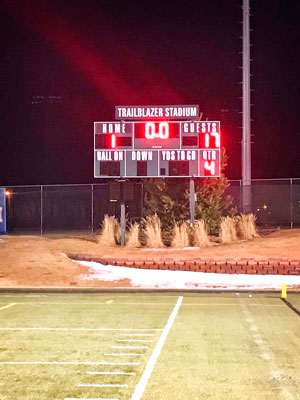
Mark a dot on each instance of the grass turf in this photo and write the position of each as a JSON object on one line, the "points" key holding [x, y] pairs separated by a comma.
{"points": [[221, 346]]}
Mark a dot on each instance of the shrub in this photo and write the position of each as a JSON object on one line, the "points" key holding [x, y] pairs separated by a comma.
{"points": [[227, 232], [246, 226], [110, 233], [201, 238], [180, 235], [133, 236], [153, 232]]}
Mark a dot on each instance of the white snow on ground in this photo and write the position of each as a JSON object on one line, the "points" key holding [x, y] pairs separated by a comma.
{"points": [[165, 279]]}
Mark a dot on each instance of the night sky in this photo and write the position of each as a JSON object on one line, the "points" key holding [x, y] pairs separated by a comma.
{"points": [[65, 64]]}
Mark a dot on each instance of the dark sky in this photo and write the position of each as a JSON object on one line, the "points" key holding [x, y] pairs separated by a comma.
{"points": [[87, 56]]}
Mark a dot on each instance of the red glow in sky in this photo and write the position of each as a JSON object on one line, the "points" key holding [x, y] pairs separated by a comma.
{"points": [[55, 29]]}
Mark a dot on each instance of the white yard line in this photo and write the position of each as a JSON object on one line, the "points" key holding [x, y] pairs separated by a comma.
{"points": [[232, 304], [123, 354], [78, 329], [105, 303], [112, 303], [110, 373], [88, 398], [7, 306], [129, 347], [65, 363], [21, 295], [101, 385], [135, 340], [90, 294], [137, 334], [140, 387]]}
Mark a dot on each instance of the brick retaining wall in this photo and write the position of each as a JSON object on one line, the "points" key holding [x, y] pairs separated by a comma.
{"points": [[269, 266]]}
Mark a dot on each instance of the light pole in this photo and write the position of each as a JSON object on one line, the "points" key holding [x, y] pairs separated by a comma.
{"points": [[246, 140]]}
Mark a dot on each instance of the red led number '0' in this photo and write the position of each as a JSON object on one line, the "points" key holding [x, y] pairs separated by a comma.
{"points": [[150, 131]]}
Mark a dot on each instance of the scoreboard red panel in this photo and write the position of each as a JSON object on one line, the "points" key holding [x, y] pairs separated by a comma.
{"points": [[157, 148]]}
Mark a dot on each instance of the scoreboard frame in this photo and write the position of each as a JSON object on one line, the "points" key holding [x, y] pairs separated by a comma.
{"points": [[168, 149]]}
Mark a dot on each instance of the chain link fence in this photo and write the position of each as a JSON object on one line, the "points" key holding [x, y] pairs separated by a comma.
{"points": [[66, 208], [275, 202], [81, 208]]}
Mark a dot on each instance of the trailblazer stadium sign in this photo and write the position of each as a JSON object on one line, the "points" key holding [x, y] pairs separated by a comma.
{"points": [[156, 112]]}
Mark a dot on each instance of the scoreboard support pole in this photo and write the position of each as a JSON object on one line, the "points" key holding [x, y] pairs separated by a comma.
{"points": [[123, 224], [122, 217], [192, 200], [2, 211]]}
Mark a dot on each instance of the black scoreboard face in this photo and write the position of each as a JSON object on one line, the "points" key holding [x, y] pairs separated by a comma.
{"points": [[157, 149]]}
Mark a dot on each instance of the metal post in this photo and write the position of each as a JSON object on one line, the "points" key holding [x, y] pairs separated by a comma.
{"points": [[3, 210], [142, 200], [122, 216], [123, 224], [41, 209], [192, 200], [92, 212], [246, 140], [291, 197]]}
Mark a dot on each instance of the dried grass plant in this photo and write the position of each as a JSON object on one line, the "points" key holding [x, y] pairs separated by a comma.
{"points": [[133, 240], [228, 230], [153, 232], [180, 235], [111, 231], [247, 227], [201, 238]]}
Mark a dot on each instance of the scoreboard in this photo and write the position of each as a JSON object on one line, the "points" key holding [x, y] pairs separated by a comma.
{"points": [[143, 149], [151, 141]]}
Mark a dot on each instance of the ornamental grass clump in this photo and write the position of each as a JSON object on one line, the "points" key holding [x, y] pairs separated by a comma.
{"points": [[180, 235], [247, 227], [133, 240], [110, 233], [228, 231], [201, 238], [153, 232]]}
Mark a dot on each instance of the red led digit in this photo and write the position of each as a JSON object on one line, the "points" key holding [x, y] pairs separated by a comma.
{"points": [[210, 166], [163, 130], [217, 138], [150, 130], [207, 140], [113, 142]]}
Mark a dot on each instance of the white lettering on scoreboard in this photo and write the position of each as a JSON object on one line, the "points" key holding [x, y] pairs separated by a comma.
{"points": [[199, 127], [178, 155], [209, 155], [141, 156], [142, 112], [113, 127], [110, 155]]}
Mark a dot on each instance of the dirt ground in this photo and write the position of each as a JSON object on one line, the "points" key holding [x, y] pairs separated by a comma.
{"points": [[41, 261]]}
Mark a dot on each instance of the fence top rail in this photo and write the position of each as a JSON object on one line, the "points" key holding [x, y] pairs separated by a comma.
{"points": [[290, 180], [51, 185], [266, 179]]}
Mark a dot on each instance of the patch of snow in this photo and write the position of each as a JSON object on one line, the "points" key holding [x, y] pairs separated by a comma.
{"points": [[166, 279]]}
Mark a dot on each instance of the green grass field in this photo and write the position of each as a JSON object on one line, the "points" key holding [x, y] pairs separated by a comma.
{"points": [[149, 346]]}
